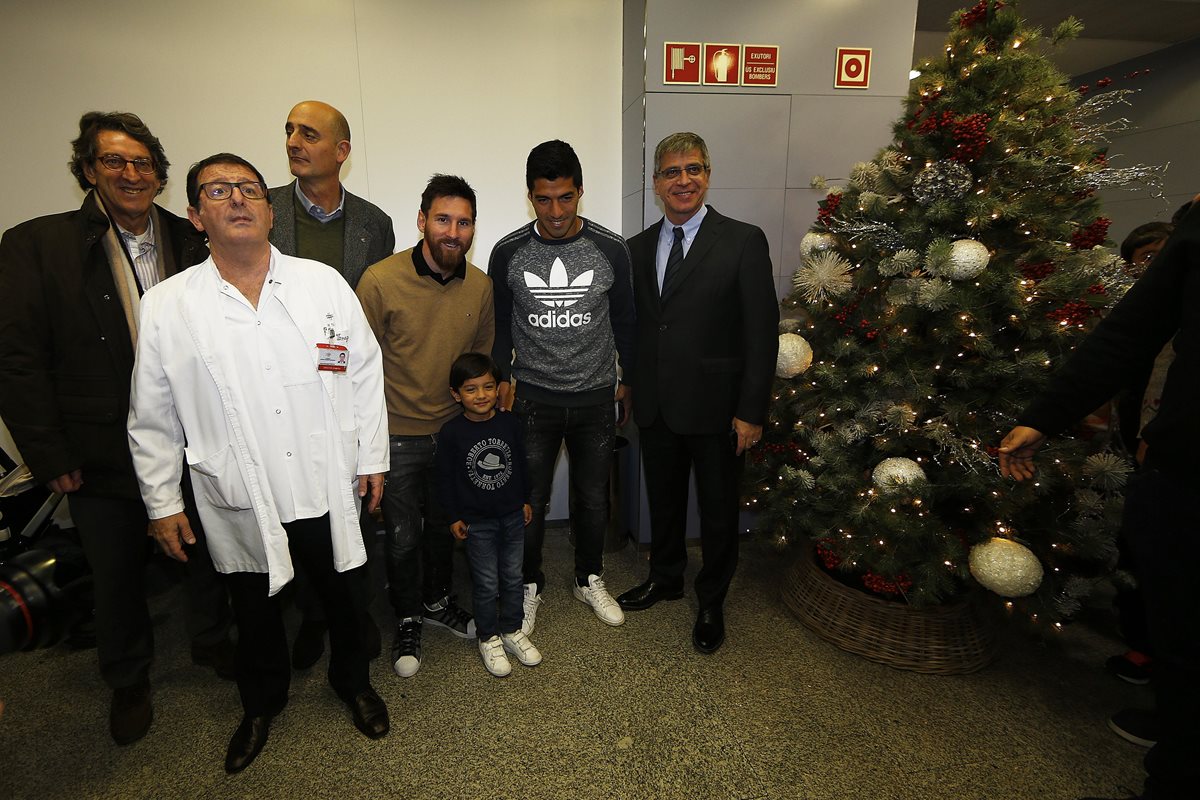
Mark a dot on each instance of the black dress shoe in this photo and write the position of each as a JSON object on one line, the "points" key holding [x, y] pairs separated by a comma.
{"points": [[246, 743], [369, 713], [130, 713], [709, 633], [639, 598], [309, 644]]}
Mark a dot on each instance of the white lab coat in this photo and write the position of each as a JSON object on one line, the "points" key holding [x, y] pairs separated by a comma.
{"points": [[186, 401]]}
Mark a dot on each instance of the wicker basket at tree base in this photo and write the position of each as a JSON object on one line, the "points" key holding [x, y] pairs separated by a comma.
{"points": [[945, 640]]}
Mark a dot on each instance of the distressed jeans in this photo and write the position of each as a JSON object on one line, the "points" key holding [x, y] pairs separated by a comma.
{"points": [[589, 433], [420, 548]]}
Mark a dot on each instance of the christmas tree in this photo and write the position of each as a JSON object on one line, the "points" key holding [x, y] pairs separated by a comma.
{"points": [[937, 290]]}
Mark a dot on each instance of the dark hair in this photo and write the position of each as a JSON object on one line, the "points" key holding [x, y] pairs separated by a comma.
{"points": [[553, 160], [447, 186], [1181, 212], [83, 149], [193, 176], [1143, 235], [472, 365]]}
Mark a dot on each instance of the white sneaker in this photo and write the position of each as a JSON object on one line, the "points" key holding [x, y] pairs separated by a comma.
{"points": [[519, 645], [596, 596], [530, 604], [494, 659], [406, 647]]}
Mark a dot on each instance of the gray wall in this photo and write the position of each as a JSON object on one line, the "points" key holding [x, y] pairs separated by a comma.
{"points": [[1166, 117]]}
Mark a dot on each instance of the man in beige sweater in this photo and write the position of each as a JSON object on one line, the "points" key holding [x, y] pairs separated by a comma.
{"points": [[427, 305]]}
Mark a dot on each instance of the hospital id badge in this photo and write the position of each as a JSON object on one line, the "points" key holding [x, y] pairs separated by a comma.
{"points": [[332, 357]]}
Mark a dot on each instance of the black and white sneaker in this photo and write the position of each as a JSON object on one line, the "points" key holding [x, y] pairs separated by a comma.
{"points": [[406, 647], [1136, 725], [446, 613]]}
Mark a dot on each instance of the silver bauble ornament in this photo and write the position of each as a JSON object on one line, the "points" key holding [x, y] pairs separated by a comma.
{"points": [[941, 180], [968, 258], [1008, 568], [897, 471], [795, 355], [814, 242]]}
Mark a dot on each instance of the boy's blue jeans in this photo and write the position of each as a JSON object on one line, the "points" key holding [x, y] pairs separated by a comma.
{"points": [[496, 552]]}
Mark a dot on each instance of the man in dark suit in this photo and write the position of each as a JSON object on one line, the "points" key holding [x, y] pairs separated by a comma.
{"points": [[315, 217], [707, 334], [70, 291]]}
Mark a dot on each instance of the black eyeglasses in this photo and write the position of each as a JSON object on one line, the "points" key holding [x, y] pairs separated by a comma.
{"points": [[693, 170], [116, 163], [223, 190]]}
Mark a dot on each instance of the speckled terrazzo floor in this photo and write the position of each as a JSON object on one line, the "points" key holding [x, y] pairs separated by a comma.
{"points": [[629, 712]]}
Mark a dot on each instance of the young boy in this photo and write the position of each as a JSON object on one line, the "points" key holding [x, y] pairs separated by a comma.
{"points": [[483, 486]]}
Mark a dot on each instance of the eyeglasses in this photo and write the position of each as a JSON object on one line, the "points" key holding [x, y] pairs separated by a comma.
{"points": [[223, 190], [671, 173], [116, 163]]}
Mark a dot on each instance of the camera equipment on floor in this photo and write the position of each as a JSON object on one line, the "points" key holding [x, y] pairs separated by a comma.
{"points": [[42, 593], [45, 582]]}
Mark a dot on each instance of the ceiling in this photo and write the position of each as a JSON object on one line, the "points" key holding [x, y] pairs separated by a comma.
{"points": [[1113, 30]]}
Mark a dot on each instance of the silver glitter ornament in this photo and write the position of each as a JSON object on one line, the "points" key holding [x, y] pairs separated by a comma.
{"points": [[1008, 568], [968, 258], [795, 355], [941, 180], [814, 242], [897, 471]]}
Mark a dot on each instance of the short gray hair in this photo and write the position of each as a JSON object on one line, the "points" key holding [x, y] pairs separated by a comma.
{"points": [[682, 142]]}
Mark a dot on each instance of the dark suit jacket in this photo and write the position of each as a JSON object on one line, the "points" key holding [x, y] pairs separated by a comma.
{"points": [[706, 352], [66, 357], [368, 238]]}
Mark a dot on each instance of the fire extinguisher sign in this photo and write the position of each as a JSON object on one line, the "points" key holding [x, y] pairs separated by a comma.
{"points": [[722, 64]]}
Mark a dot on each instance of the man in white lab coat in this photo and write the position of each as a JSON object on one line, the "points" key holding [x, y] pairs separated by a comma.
{"points": [[261, 369]]}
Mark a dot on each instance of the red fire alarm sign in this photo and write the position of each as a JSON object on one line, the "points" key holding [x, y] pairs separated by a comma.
{"points": [[853, 68]]}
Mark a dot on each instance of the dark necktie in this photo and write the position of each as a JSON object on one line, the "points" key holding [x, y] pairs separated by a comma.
{"points": [[674, 259]]}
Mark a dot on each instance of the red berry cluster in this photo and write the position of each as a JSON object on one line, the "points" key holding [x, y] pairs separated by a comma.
{"points": [[916, 117], [977, 13], [845, 317], [1075, 312], [1038, 271], [889, 588], [826, 212], [1097, 288], [1137, 73], [827, 554], [935, 122], [787, 452], [1083, 89], [970, 135], [1091, 236], [1100, 159], [1103, 82]]}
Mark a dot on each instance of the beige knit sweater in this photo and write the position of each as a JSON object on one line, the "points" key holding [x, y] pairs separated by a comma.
{"points": [[422, 326]]}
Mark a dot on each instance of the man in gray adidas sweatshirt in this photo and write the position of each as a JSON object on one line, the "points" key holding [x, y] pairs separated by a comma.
{"points": [[564, 318]]}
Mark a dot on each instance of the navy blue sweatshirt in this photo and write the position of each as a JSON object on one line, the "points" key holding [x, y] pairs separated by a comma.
{"points": [[481, 472]]}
